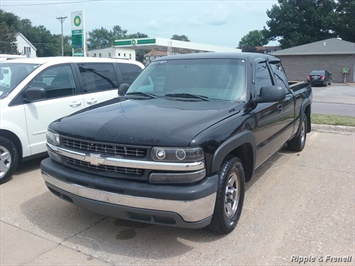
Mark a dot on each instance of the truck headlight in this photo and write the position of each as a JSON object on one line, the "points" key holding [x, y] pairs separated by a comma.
{"points": [[53, 138], [169, 154]]}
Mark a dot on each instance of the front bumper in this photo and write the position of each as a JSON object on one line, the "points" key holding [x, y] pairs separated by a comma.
{"points": [[189, 206]]}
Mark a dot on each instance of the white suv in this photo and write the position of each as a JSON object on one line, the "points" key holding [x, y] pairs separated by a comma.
{"points": [[37, 91]]}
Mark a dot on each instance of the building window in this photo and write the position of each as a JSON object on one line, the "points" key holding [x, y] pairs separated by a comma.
{"points": [[94, 54], [130, 56], [124, 55], [99, 54], [109, 55], [119, 54], [27, 51]]}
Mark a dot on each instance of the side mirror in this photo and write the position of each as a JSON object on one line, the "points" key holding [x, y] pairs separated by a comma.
{"points": [[34, 94], [270, 94], [123, 89]]}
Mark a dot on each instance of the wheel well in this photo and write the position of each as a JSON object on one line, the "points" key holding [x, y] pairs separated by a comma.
{"points": [[245, 154], [12, 137]]}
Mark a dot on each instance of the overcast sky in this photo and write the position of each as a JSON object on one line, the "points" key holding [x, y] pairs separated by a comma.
{"points": [[221, 23]]}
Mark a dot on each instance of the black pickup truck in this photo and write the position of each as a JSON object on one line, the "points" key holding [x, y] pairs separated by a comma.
{"points": [[178, 145]]}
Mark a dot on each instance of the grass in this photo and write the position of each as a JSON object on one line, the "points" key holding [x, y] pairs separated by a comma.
{"points": [[335, 120]]}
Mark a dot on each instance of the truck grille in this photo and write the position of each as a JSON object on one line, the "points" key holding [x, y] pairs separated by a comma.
{"points": [[105, 149], [105, 168], [108, 149]]}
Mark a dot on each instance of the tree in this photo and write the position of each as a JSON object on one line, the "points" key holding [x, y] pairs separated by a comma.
{"points": [[99, 39], [7, 40], [180, 38], [295, 22], [345, 24], [7, 33], [252, 39]]}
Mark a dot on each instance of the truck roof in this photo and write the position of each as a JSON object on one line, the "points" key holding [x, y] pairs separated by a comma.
{"points": [[237, 55]]}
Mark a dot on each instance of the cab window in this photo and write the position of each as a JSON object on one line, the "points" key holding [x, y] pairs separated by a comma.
{"points": [[279, 74], [262, 77]]}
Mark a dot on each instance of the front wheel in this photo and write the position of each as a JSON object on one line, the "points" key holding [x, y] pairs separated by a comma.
{"points": [[230, 197], [8, 159], [299, 141]]}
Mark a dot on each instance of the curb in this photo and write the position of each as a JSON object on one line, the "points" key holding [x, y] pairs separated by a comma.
{"points": [[344, 130]]}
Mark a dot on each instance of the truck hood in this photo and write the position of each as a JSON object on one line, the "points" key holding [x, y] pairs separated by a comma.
{"points": [[145, 122]]}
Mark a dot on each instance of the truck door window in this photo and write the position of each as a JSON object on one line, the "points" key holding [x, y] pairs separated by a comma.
{"points": [[97, 77], [279, 74], [262, 77]]}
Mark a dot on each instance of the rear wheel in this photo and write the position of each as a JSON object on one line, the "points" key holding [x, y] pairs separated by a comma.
{"points": [[299, 141], [230, 197], [8, 159]]}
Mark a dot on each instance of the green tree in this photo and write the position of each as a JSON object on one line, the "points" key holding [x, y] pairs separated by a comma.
{"points": [[8, 22], [252, 39], [345, 24], [99, 39], [180, 38], [297, 22]]}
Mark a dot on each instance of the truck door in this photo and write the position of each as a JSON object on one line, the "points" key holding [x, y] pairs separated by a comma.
{"points": [[270, 117], [288, 105]]}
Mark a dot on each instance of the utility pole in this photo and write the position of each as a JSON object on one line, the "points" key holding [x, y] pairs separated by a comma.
{"points": [[61, 19]]}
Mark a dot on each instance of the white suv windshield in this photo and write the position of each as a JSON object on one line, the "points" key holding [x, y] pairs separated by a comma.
{"points": [[12, 74], [213, 79]]}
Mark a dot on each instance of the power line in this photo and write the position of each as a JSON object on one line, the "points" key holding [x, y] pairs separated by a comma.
{"points": [[52, 3]]}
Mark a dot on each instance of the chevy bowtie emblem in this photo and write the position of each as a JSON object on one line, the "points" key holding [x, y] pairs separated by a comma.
{"points": [[94, 159]]}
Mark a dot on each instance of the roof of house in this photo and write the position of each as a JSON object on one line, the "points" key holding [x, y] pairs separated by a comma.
{"points": [[25, 39], [326, 47]]}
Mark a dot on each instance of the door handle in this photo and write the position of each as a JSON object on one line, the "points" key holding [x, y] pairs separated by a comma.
{"points": [[91, 101], [279, 108], [75, 103]]}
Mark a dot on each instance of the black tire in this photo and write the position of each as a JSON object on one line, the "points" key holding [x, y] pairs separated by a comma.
{"points": [[299, 141], [8, 159], [230, 197]]}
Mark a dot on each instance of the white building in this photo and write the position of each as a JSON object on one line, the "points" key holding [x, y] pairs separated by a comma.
{"points": [[113, 52], [24, 47]]}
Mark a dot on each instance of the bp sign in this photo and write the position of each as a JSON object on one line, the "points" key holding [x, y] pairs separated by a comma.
{"points": [[77, 21], [77, 33]]}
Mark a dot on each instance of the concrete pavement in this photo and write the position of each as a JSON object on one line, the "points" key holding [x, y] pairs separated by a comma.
{"points": [[298, 206]]}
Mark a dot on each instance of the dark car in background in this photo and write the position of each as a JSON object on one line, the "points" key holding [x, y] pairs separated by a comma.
{"points": [[320, 77]]}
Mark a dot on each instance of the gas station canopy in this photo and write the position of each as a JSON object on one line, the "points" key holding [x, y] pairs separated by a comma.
{"points": [[170, 46]]}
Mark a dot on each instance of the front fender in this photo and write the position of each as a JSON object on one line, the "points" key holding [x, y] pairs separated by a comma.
{"points": [[245, 137]]}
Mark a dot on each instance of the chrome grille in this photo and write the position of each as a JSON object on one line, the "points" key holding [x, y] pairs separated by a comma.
{"points": [[105, 168], [103, 148]]}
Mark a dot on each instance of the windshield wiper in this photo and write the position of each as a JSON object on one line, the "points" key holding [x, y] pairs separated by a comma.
{"points": [[188, 95], [140, 93]]}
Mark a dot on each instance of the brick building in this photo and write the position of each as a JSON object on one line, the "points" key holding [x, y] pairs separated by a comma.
{"points": [[332, 54]]}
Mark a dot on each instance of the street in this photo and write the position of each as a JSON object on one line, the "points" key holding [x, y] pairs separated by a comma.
{"points": [[337, 99], [299, 207]]}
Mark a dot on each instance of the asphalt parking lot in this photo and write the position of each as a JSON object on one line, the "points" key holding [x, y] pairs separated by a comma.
{"points": [[299, 209]]}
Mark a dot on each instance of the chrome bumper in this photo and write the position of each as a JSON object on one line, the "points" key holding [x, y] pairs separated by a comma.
{"points": [[191, 211]]}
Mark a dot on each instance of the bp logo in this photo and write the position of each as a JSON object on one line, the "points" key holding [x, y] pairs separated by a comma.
{"points": [[134, 42], [77, 21]]}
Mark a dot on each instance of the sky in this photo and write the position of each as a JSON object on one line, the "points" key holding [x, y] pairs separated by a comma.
{"points": [[221, 23]]}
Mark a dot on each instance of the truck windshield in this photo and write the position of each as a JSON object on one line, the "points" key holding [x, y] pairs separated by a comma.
{"points": [[212, 79], [11, 74]]}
